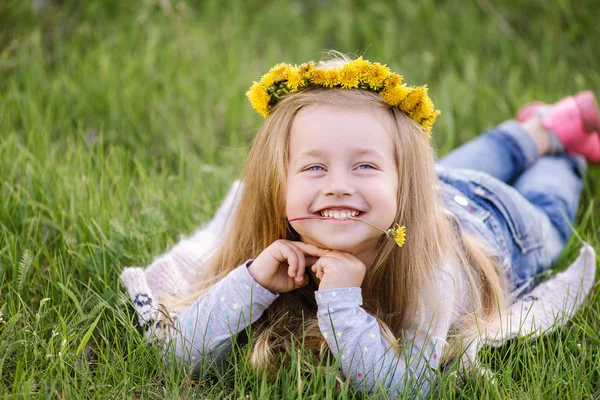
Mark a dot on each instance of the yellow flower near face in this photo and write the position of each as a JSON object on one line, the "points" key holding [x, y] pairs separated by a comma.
{"points": [[375, 75], [319, 77], [349, 76], [423, 110], [398, 234], [428, 122], [279, 71], [394, 95], [259, 98], [294, 79], [306, 70], [362, 67], [414, 98], [332, 78], [393, 80]]}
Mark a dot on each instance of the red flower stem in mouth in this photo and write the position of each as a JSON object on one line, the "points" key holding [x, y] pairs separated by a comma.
{"points": [[352, 218]]}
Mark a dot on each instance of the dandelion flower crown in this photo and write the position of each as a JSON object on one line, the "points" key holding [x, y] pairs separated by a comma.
{"points": [[284, 79]]}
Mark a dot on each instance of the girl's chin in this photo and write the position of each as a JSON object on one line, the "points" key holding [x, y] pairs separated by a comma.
{"points": [[340, 245]]}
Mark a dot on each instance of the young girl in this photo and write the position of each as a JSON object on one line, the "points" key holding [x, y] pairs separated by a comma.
{"points": [[315, 252]]}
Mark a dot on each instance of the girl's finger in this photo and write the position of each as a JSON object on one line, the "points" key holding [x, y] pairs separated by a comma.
{"points": [[291, 257], [300, 266], [317, 268], [296, 270], [318, 262], [304, 282]]}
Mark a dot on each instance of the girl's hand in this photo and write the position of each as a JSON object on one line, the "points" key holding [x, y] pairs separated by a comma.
{"points": [[337, 269], [281, 267]]}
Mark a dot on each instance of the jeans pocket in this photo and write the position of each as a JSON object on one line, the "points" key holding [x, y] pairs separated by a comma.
{"points": [[513, 207]]}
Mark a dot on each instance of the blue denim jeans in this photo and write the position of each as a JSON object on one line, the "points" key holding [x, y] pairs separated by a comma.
{"points": [[522, 205]]}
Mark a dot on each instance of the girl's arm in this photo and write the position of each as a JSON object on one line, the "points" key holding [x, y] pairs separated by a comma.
{"points": [[203, 332], [367, 359]]}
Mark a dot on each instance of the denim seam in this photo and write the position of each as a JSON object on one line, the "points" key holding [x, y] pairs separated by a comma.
{"points": [[522, 139], [522, 238], [521, 157], [498, 233]]}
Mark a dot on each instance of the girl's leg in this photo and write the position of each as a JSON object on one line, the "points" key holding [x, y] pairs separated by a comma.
{"points": [[553, 186], [572, 124], [554, 183], [503, 152]]}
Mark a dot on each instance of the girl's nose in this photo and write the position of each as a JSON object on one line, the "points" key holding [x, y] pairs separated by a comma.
{"points": [[338, 184]]}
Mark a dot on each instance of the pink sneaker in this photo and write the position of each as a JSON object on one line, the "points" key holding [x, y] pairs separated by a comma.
{"points": [[576, 122], [528, 111]]}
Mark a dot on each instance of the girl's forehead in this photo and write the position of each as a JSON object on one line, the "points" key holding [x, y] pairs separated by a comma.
{"points": [[329, 113], [317, 129]]}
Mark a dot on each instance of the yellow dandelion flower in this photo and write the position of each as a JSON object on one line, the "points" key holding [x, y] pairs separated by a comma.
{"points": [[275, 74], [294, 79], [376, 74], [362, 68], [394, 95], [259, 98], [349, 76], [268, 79], [280, 71], [423, 110], [332, 78], [393, 80], [429, 121], [414, 98], [272, 76], [398, 234], [319, 77], [306, 70]]}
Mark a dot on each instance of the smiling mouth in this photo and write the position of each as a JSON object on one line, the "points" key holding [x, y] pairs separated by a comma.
{"points": [[338, 215]]}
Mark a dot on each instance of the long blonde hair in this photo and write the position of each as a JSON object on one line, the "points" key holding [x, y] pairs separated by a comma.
{"points": [[397, 277]]}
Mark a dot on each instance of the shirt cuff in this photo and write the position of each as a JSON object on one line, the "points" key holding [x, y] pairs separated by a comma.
{"points": [[351, 296]]}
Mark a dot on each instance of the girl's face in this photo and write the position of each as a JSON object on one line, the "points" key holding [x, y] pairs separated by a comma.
{"points": [[342, 159]]}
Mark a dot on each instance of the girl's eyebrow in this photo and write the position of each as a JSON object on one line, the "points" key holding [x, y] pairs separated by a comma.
{"points": [[358, 151]]}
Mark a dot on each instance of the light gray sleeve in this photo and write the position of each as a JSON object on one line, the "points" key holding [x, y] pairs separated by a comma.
{"points": [[204, 330], [367, 360]]}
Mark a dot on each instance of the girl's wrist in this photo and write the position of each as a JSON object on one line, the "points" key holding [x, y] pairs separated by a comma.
{"points": [[254, 273]]}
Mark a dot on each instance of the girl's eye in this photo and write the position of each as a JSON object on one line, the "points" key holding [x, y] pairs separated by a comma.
{"points": [[366, 165], [315, 167]]}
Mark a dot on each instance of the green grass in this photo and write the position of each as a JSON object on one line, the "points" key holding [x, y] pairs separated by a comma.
{"points": [[123, 126]]}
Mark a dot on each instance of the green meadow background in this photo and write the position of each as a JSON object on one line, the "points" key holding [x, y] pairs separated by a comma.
{"points": [[123, 124]]}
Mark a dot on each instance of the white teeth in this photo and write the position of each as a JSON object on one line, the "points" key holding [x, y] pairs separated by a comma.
{"points": [[339, 214]]}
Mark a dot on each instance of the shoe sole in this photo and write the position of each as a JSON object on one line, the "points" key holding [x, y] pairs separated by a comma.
{"points": [[588, 107]]}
